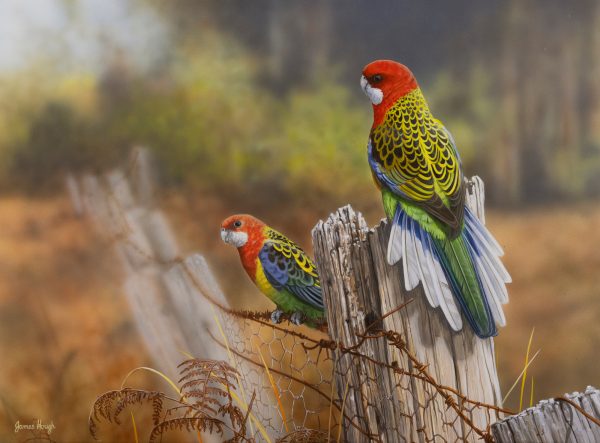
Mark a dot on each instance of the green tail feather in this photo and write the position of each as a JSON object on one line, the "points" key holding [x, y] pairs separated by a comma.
{"points": [[460, 270], [456, 262]]}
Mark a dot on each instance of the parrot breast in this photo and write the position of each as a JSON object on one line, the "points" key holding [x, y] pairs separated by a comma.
{"points": [[261, 281]]}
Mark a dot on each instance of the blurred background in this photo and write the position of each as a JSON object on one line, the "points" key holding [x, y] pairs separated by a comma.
{"points": [[255, 107]]}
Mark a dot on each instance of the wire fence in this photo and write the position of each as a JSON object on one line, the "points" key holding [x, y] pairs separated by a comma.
{"points": [[293, 384]]}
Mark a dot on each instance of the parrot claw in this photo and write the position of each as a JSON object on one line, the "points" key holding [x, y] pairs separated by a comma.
{"points": [[297, 318], [276, 316]]}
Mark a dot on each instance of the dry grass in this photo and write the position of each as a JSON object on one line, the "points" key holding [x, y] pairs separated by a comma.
{"points": [[67, 334]]}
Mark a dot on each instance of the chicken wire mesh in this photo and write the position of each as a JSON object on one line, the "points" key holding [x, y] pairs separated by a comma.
{"points": [[292, 384]]}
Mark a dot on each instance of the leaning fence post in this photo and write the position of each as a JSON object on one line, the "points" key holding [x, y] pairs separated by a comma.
{"points": [[167, 293], [395, 405]]}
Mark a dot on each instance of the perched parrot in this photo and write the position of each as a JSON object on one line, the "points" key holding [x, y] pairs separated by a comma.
{"points": [[415, 164], [278, 267]]}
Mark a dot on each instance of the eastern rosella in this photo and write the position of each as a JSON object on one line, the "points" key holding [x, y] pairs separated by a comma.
{"points": [[416, 165], [278, 267]]}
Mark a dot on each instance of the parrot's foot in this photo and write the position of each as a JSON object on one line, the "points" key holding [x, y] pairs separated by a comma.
{"points": [[297, 318], [276, 316]]}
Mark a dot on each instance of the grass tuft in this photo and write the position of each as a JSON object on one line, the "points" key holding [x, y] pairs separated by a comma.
{"points": [[524, 379], [275, 391]]}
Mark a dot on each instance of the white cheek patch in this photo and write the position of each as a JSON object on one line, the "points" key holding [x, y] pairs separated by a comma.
{"points": [[237, 239], [374, 94]]}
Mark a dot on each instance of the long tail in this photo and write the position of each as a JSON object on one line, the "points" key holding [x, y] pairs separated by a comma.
{"points": [[465, 272]]}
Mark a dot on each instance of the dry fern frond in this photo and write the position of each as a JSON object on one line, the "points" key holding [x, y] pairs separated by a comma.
{"points": [[189, 424], [110, 405], [206, 403], [157, 407], [197, 372], [304, 436]]}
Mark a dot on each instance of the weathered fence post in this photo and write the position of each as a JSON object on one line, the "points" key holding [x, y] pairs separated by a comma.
{"points": [[359, 287], [554, 420], [163, 289]]}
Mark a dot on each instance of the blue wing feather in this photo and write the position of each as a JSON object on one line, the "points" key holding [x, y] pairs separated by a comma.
{"points": [[285, 273]]}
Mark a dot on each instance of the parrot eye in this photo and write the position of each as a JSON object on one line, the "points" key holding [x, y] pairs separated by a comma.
{"points": [[376, 78], [237, 223]]}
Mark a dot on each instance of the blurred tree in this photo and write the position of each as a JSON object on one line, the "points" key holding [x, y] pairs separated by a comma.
{"points": [[299, 41], [321, 144], [55, 145], [203, 116], [543, 92]]}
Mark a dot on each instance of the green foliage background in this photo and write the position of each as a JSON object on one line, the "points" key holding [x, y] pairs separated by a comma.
{"points": [[219, 118], [205, 116]]}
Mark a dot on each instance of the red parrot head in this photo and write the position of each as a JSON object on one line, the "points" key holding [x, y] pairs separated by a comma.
{"points": [[384, 82], [237, 229]]}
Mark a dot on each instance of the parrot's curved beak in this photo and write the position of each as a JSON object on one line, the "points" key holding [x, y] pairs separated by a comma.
{"points": [[225, 235], [363, 83], [237, 239]]}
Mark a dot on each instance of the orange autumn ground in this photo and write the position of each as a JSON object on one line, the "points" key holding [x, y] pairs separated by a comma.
{"points": [[66, 335]]}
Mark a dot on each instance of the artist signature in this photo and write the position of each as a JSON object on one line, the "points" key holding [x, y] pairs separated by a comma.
{"points": [[36, 425]]}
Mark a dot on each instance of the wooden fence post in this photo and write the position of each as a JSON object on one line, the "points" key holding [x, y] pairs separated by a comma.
{"points": [[359, 287], [167, 293], [553, 420]]}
